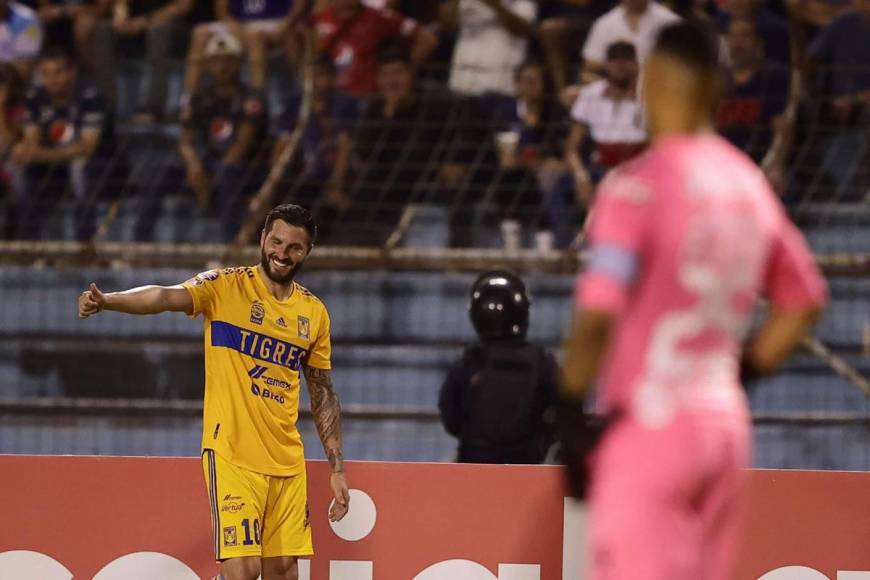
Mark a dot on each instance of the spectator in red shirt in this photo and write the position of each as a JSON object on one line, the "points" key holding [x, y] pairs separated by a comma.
{"points": [[351, 33]]}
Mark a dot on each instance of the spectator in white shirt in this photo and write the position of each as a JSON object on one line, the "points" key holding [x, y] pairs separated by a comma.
{"points": [[609, 112], [20, 36], [634, 21], [493, 39]]}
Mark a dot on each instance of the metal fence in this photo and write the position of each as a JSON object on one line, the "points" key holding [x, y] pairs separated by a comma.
{"points": [[429, 200], [447, 161]]}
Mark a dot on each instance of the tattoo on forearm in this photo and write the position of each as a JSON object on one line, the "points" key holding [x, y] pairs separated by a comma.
{"points": [[326, 409]]}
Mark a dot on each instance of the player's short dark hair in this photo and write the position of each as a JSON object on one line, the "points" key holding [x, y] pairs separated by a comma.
{"points": [[57, 53], [294, 215], [693, 44]]}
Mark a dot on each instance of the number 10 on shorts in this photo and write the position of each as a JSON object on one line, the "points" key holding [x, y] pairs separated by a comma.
{"points": [[251, 539]]}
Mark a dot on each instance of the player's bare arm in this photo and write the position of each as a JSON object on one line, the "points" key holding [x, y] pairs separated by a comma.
{"points": [[578, 433], [584, 351], [326, 409], [141, 300], [780, 334]]}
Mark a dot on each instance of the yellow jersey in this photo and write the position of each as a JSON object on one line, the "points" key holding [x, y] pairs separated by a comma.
{"points": [[255, 348]]}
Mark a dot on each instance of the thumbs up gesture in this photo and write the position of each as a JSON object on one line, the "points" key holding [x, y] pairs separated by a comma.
{"points": [[91, 301]]}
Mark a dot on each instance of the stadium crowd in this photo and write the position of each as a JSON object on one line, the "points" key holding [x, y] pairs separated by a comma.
{"points": [[504, 113]]}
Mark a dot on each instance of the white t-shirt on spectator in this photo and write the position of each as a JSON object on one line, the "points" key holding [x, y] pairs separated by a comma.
{"points": [[613, 26], [486, 54], [20, 34], [609, 120]]}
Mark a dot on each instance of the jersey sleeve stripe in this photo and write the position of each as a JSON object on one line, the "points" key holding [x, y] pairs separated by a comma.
{"points": [[615, 261]]}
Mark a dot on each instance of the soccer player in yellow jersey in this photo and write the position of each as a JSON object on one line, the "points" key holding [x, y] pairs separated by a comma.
{"points": [[261, 330]]}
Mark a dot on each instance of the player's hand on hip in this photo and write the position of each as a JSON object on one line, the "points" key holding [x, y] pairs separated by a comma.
{"points": [[91, 301], [339, 507]]}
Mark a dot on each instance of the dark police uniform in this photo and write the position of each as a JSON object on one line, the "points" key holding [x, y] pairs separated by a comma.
{"points": [[498, 399]]}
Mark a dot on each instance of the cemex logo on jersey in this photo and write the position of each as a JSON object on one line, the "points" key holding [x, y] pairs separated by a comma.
{"points": [[257, 372]]}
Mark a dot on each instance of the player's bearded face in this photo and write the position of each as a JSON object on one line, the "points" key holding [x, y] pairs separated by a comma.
{"points": [[283, 251], [280, 270]]}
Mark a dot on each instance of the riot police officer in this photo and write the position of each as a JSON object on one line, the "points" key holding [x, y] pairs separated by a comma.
{"points": [[498, 398]]}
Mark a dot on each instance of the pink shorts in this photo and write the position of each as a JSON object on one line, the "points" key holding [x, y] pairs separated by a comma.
{"points": [[666, 503]]}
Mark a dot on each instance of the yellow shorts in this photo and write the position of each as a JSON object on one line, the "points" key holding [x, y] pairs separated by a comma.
{"points": [[254, 514]]}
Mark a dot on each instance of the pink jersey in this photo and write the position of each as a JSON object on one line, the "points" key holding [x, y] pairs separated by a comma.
{"points": [[683, 240]]}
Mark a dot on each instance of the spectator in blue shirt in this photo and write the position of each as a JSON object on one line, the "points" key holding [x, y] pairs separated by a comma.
{"points": [[772, 29], [68, 146], [754, 112], [223, 131], [841, 53], [317, 174], [532, 175], [814, 15], [322, 180], [844, 47], [20, 36]]}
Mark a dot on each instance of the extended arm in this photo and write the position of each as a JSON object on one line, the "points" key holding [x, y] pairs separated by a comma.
{"points": [[142, 300]]}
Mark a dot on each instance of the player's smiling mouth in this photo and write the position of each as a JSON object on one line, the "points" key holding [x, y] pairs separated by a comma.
{"points": [[279, 264]]}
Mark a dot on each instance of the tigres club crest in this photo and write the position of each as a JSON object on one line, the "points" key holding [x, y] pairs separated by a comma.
{"points": [[258, 313], [230, 538], [303, 327]]}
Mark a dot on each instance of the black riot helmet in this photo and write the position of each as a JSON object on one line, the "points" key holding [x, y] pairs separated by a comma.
{"points": [[499, 307]]}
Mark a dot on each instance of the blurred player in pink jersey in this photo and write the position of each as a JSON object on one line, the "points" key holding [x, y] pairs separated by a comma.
{"points": [[683, 240]]}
